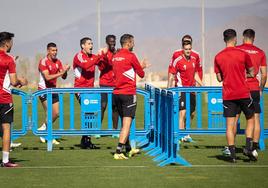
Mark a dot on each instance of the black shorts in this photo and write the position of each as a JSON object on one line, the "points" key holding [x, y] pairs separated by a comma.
{"points": [[55, 98], [6, 113], [230, 107], [255, 95], [126, 105], [182, 102]]}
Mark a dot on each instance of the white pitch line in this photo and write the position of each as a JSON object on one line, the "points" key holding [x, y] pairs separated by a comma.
{"points": [[60, 167], [176, 166], [224, 166]]}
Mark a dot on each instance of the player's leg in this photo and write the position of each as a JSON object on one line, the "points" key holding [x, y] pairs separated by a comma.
{"points": [[257, 127], [6, 114], [115, 114], [128, 105], [55, 113], [229, 111], [104, 100], [248, 109], [85, 141], [182, 112]]}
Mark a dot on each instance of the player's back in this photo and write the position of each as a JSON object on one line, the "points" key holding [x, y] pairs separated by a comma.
{"points": [[231, 63]]}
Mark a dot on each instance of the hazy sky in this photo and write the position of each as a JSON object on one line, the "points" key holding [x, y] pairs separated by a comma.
{"points": [[31, 19]]}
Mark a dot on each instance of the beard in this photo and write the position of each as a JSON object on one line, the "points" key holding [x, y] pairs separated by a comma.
{"points": [[8, 50]]}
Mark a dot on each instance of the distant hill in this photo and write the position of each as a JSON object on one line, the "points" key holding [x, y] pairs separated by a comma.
{"points": [[157, 32]]}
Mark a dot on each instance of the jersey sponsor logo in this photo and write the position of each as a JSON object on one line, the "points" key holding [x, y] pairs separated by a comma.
{"points": [[130, 74], [57, 66], [184, 66], [118, 59], [251, 51]]}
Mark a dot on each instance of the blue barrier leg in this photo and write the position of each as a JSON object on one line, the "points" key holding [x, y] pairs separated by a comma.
{"points": [[49, 122]]}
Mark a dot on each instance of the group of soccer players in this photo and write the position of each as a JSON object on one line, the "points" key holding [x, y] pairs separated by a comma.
{"points": [[243, 71], [118, 69], [235, 66]]}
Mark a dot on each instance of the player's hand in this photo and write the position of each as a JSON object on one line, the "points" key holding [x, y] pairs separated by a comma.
{"points": [[23, 81], [103, 51], [145, 63], [66, 67]]}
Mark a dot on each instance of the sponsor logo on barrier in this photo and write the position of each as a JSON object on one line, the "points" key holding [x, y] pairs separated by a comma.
{"points": [[94, 101], [86, 102], [214, 101]]}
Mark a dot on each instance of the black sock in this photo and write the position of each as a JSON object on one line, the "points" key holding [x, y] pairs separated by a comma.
{"points": [[255, 146], [232, 151], [249, 144], [128, 147], [119, 148]]}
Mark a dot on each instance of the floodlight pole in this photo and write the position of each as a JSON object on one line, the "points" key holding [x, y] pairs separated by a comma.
{"points": [[203, 34], [99, 22]]}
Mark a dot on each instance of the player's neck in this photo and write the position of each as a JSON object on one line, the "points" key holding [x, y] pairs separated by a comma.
{"points": [[3, 49], [248, 42], [230, 44]]}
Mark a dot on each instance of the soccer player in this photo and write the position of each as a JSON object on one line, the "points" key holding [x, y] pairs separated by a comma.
{"points": [[107, 78], [8, 78], [84, 63], [176, 55], [185, 69], [231, 66], [125, 67], [50, 69], [258, 59]]}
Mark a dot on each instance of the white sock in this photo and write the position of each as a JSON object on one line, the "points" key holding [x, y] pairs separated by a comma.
{"points": [[5, 157], [44, 126]]}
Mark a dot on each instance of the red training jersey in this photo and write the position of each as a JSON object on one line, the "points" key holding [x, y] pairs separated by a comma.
{"points": [[7, 66], [232, 63], [53, 67], [84, 69], [106, 70], [125, 67], [258, 59], [195, 56], [184, 70]]}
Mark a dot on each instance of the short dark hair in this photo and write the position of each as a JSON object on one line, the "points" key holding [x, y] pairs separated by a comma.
{"points": [[185, 37], [51, 45], [249, 33], [110, 36], [84, 40], [229, 34], [125, 38], [5, 36], [186, 42]]}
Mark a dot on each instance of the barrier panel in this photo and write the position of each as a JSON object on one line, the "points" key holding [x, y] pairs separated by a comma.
{"points": [[158, 134], [20, 130], [90, 114]]}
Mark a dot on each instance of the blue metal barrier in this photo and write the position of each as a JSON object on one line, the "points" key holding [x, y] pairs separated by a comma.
{"points": [[215, 125], [90, 116], [16, 133], [160, 134]]}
